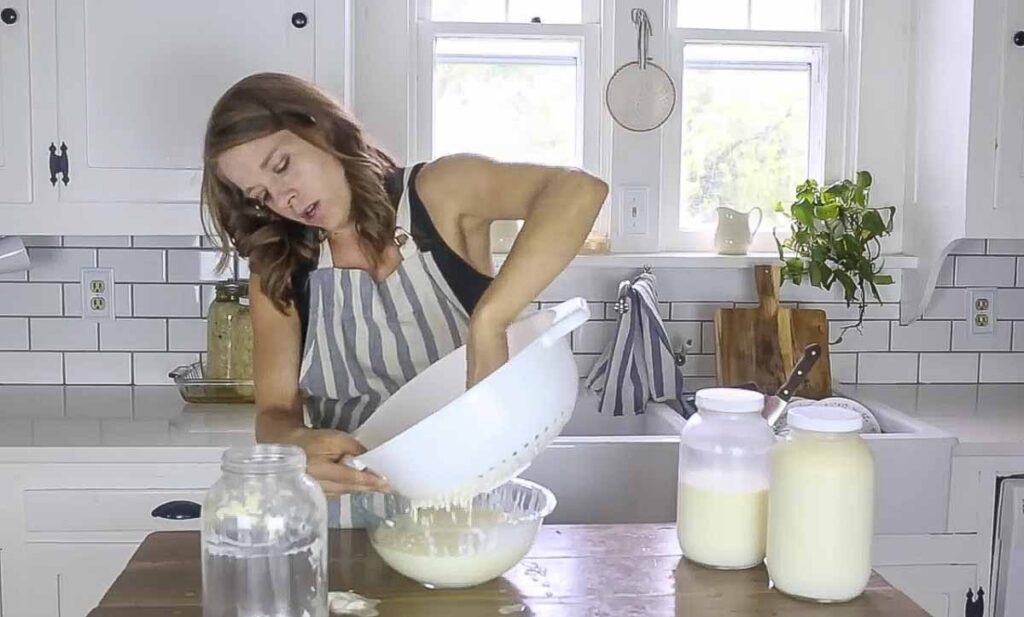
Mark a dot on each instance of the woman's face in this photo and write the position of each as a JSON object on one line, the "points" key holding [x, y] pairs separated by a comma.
{"points": [[292, 177]]}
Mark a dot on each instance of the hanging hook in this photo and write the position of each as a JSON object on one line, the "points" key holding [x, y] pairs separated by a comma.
{"points": [[643, 33]]}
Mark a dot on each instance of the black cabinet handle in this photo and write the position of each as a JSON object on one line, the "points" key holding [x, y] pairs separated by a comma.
{"points": [[179, 510], [299, 20], [9, 16], [1018, 38]]}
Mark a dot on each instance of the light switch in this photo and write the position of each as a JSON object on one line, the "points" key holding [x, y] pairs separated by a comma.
{"points": [[635, 209]]}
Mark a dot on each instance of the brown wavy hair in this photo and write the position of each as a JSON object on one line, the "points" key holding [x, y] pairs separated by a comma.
{"points": [[260, 105]]}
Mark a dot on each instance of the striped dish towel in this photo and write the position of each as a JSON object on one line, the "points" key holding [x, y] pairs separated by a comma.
{"points": [[638, 365]]}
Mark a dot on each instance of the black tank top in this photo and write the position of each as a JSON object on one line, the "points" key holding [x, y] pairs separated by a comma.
{"points": [[466, 282]]}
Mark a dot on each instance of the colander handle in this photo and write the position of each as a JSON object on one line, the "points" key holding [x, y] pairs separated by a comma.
{"points": [[569, 315]]}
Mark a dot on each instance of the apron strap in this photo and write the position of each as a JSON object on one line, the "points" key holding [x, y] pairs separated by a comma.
{"points": [[403, 220]]}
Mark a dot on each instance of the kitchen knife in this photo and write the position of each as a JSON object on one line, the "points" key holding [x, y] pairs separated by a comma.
{"points": [[775, 404]]}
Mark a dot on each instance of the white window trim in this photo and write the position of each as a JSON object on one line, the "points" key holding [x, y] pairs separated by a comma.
{"points": [[590, 93], [837, 114]]}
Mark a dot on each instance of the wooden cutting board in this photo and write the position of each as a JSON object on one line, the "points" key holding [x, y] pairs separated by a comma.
{"points": [[763, 344]]}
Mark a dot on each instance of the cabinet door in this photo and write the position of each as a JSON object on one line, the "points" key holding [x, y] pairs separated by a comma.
{"points": [[940, 590], [15, 172], [136, 82], [1010, 171]]}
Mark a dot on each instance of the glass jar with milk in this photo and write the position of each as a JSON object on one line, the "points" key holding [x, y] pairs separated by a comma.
{"points": [[723, 480], [821, 509]]}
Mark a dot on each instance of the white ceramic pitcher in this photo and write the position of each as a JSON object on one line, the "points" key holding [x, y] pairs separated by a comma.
{"points": [[733, 235]]}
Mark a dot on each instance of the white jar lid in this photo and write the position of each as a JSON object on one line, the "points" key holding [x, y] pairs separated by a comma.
{"points": [[824, 419], [729, 400]]}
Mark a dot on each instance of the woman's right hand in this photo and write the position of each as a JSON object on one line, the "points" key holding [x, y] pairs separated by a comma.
{"points": [[324, 450]]}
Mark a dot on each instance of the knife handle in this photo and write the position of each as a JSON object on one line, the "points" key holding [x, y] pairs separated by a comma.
{"points": [[799, 373]]}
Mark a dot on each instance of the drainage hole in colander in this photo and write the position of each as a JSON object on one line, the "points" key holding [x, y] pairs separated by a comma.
{"points": [[516, 453]]}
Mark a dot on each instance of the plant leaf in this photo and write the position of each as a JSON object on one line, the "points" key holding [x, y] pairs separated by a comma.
{"points": [[864, 179], [827, 212], [882, 279], [873, 222], [804, 212]]}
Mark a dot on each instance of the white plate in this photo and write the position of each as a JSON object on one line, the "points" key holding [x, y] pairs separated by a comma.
{"points": [[870, 422]]}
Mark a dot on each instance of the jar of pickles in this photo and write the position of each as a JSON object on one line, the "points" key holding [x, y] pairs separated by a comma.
{"points": [[723, 480], [229, 333]]}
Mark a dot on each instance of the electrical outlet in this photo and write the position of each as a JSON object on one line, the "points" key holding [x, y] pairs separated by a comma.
{"points": [[981, 310], [98, 293], [634, 209]]}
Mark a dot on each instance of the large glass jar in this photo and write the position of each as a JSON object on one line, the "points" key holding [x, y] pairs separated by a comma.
{"points": [[723, 480], [229, 333], [264, 537], [821, 508]]}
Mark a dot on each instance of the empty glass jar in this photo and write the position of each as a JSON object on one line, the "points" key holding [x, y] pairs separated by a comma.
{"points": [[264, 537], [723, 480]]}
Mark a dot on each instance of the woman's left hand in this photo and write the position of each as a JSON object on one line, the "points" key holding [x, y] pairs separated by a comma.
{"points": [[486, 351]]}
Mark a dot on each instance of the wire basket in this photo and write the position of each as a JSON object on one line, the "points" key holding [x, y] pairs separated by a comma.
{"points": [[195, 387]]}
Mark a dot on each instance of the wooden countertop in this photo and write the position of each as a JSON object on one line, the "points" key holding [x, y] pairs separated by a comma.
{"points": [[572, 570]]}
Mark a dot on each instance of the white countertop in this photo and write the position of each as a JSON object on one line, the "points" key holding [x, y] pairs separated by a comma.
{"points": [[987, 419]]}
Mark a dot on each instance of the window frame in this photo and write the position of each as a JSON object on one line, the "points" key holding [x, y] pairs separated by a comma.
{"points": [[590, 96], [830, 115]]}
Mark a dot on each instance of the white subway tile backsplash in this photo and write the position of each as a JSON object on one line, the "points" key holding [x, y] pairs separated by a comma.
{"points": [[62, 334], [133, 335], [921, 336], [949, 368], [844, 367], [98, 368], [73, 300], [13, 333], [947, 304], [166, 300], [41, 240], [30, 299], [1006, 247], [593, 336], [681, 331], [946, 272], [1020, 272], [887, 368], [97, 241], [999, 340], [134, 265], [195, 267], [585, 362], [1010, 304], [872, 336], [59, 264], [592, 284], [700, 366], [984, 271], [160, 242], [152, 368], [697, 311], [972, 246], [207, 294], [31, 367], [874, 311], [186, 334], [1002, 368], [21, 275], [709, 285], [1018, 336], [709, 338]]}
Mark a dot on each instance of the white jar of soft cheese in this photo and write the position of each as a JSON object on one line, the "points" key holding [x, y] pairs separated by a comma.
{"points": [[821, 508], [723, 480]]}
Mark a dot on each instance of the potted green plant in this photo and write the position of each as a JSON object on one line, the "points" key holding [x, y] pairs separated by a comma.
{"points": [[836, 238]]}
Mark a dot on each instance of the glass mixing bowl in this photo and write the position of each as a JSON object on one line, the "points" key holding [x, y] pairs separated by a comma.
{"points": [[458, 546]]}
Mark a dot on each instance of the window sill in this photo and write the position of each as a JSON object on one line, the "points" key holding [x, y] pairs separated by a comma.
{"points": [[682, 259]]}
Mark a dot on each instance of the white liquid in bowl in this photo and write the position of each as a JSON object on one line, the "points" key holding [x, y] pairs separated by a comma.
{"points": [[453, 548]]}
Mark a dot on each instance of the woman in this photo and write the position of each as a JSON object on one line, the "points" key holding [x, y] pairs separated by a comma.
{"points": [[397, 261]]}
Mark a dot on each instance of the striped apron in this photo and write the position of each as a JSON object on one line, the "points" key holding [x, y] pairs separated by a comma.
{"points": [[367, 339]]}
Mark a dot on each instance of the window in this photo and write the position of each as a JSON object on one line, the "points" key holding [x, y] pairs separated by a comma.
{"points": [[517, 80], [761, 85]]}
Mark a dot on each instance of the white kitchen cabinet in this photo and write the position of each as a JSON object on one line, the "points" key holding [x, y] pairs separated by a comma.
{"points": [[969, 134], [941, 590], [15, 170], [68, 528], [127, 87]]}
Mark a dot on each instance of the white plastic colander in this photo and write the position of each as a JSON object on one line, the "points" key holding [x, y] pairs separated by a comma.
{"points": [[436, 442]]}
